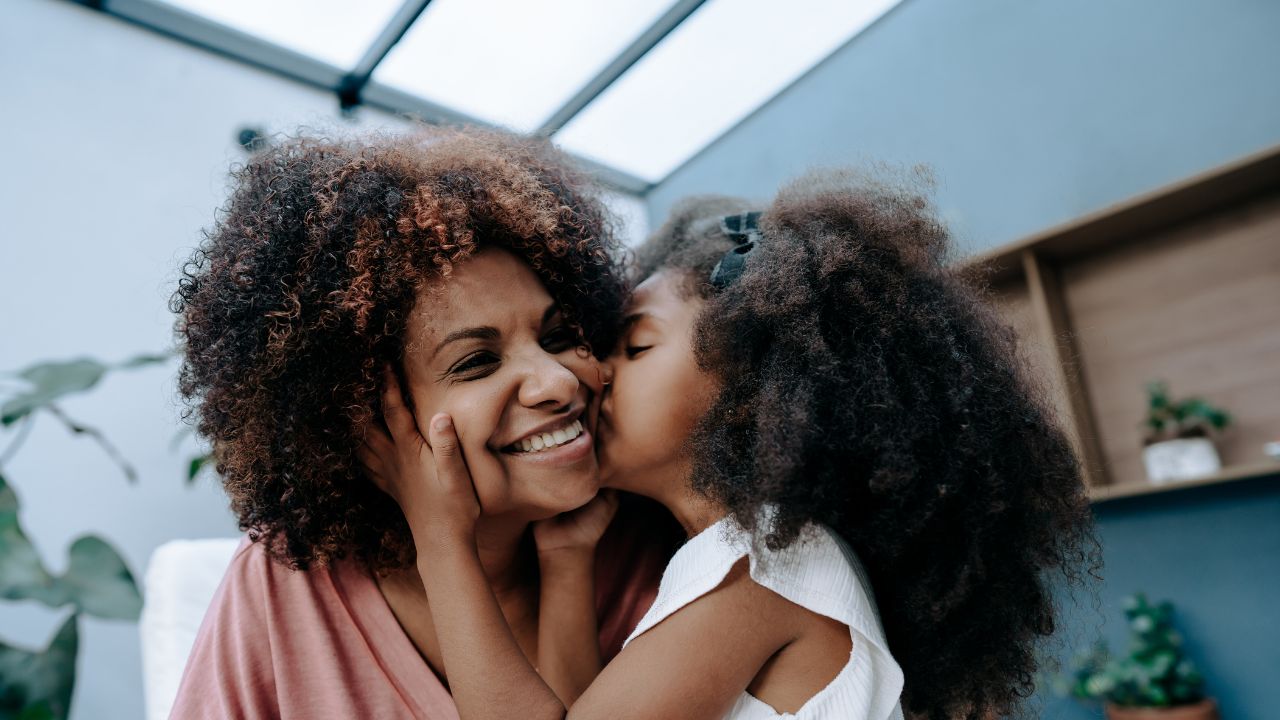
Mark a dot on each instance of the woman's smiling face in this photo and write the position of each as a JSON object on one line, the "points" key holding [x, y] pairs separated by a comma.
{"points": [[490, 348]]}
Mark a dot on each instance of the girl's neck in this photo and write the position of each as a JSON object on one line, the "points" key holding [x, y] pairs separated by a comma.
{"points": [[692, 510]]}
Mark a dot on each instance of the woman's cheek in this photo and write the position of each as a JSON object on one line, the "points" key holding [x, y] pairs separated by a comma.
{"points": [[487, 475]]}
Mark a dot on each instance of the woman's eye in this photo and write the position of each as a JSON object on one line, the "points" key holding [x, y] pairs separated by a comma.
{"points": [[560, 339], [474, 364], [634, 350]]}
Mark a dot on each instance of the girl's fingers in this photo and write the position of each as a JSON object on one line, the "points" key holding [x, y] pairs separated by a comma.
{"points": [[610, 500], [605, 505], [451, 469], [373, 467], [377, 438], [370, 457], [394, 411]]}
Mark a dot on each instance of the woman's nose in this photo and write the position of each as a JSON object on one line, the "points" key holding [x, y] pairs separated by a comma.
{"points": [[547, 382]]}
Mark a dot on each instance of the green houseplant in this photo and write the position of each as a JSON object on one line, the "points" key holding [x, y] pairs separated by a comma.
{"points": [[1169, 419], [38, 684], [1155, 680], [1178, 441]]}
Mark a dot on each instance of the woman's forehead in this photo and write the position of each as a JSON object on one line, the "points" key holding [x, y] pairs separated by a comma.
{"points": [[491, 288]]}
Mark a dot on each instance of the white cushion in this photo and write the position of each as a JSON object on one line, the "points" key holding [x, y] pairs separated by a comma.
{"points": [[181, 579]]}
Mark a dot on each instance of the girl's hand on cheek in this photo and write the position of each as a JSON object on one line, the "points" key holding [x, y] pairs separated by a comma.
{"points": [[429, 480], [576, 530]]}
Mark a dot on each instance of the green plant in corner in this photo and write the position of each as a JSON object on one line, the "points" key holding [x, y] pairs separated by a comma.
{"points": [[37, 684], [1169, 419], [1156, 672]]}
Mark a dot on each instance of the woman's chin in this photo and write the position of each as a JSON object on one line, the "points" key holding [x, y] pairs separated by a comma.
{"points": [[569, 493]]}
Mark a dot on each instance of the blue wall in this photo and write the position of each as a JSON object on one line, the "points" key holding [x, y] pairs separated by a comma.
{"points": [[1031, 112], [1215, 553]]}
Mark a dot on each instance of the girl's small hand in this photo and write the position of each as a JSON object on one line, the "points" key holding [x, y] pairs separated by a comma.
{"points": [[577, 529], [429, 480]]}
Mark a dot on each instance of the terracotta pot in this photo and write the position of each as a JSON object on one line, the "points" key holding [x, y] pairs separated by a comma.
{"points": [[1206, 709]]}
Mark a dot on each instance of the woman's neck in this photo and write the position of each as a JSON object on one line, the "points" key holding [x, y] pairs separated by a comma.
{"points": [[508, 562], [502, 546], [510, 566]]}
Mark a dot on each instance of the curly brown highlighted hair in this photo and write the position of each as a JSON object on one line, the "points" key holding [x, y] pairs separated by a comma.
{"points": [[301, 290], [866, 386]]}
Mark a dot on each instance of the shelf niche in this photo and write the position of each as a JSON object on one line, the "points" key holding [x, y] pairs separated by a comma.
{"points": [[1182, 285]]}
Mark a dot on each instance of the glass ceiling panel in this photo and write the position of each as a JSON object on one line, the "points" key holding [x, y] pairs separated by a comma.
{"points": [[512, 62], [723, 62], [335, 31]]}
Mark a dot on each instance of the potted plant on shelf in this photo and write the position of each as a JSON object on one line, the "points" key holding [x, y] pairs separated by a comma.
{"points": [[1178, 441], [1154, 681]]}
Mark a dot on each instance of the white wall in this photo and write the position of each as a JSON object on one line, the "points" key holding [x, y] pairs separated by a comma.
{"points": [[117, 143]]}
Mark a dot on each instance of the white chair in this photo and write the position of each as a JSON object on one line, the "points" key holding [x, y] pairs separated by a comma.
{"points": [[180, 581]]}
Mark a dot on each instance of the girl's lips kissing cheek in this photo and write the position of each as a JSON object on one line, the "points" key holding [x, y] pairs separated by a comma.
{"points": [[563, 441]]}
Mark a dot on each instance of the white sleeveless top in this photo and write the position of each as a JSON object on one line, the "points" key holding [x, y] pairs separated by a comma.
{"points": [[818, 572]]}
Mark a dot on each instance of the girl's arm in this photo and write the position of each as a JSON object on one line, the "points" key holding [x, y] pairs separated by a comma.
{"points": [[488, 674], [696, 662], [568, 633]]}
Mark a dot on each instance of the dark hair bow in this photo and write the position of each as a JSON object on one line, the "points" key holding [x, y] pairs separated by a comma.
{"points": [[744, 229]]}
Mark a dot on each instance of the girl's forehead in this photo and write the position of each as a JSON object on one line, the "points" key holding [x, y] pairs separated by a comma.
{"points": [[662, 299], [657, 289]]}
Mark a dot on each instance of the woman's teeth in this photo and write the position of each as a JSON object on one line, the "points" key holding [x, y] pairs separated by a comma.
{"points": [[551, 439]]}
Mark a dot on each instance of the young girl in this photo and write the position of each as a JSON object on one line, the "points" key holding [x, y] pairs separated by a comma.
{"points": [[828, 411]]}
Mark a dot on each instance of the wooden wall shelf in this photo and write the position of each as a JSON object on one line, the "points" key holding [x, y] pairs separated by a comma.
{"points": [[1226, 475], [1181, 284]]}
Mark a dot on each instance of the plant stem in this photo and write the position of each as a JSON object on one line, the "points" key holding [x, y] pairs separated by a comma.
{"points": [[129, 473], [23, 431]]}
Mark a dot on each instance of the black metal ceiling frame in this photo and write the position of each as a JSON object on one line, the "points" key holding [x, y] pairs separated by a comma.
{"points": [[354, 86]]}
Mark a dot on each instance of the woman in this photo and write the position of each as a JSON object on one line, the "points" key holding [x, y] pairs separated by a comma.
{"points": [[482, 266]]}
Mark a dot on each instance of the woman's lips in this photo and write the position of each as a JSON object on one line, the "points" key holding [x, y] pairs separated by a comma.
{"points": [[566, 454]]}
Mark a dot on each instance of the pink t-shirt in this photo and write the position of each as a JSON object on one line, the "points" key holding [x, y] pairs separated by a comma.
{"points": [[323, 643]]}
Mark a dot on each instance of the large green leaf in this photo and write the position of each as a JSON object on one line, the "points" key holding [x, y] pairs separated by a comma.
{"points": [[22, 575], [49, 382], [53, 380], [39, 711], [38, 684], [145, 359], [195, 466], [97, 581]]}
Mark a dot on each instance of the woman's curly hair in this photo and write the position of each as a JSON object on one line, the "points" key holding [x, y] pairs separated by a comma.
{"points": [[300, 293], [865, 386]]}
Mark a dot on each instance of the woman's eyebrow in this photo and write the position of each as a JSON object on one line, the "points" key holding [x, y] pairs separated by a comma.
{"points": [[474, 333], [487, 332]]}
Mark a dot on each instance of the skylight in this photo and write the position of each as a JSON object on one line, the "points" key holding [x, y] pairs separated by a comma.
{"points": [[512, 63], [639, 87], [334, 31], [723, 62]]}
